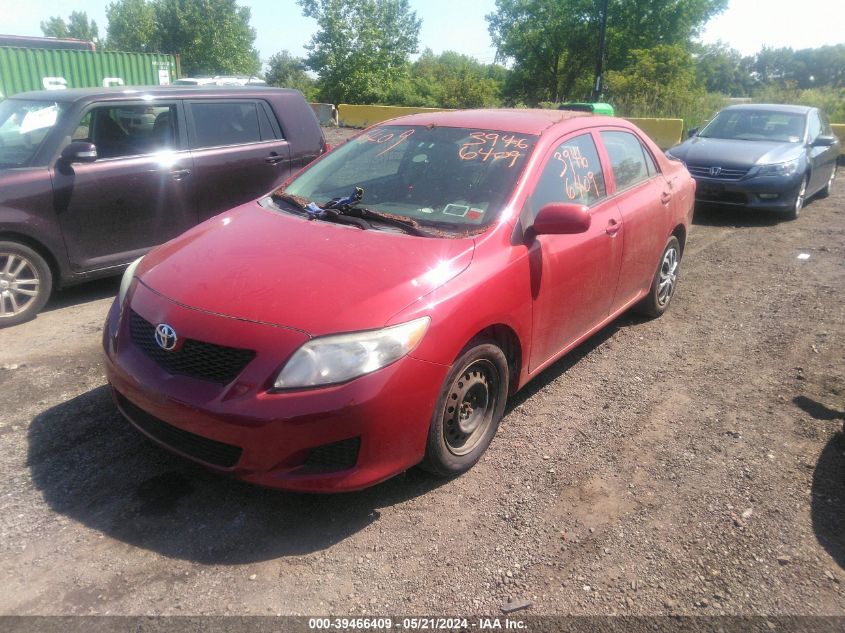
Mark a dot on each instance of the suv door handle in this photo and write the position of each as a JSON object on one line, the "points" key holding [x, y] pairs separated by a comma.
{"points": [[612, 228], [180, 174], [274, 159], [665, 197]]}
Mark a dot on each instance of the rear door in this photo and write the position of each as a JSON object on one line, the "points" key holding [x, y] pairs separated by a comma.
{"points": [[643, 196], [239, 152], [136, 194]]}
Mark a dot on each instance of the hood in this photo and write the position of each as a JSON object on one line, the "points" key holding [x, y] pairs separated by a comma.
{"points": [[734, 154], [268, 266]]}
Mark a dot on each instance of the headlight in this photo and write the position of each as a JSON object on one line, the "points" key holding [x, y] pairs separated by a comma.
{"points": [[332, 359], [128, 274], [780, 169]]}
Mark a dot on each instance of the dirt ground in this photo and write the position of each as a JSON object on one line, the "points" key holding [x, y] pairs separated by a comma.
{"points": [[694, 464]]}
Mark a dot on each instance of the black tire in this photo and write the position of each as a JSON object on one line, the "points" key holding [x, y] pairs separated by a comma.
{"points": [[22, 273], [800, 199], [657, 300], [468, 411], [828, 188]]}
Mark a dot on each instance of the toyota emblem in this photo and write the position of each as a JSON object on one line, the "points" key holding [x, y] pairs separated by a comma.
{"points": [[166, 337]]}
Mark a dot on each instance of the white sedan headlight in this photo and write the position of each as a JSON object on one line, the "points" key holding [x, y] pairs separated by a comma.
{"points": [[128, 274], [780, 169], [337, 358]]}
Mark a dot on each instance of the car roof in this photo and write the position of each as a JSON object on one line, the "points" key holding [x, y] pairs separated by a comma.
{"points": [[518, 120], [134, 92], [771, 107]]}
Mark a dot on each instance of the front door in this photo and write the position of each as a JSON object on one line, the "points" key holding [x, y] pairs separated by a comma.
{"points": [[573, 276], [135, 195]]}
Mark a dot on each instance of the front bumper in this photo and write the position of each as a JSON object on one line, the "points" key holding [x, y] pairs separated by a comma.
{"points": [[766, 193], [379, 421]]}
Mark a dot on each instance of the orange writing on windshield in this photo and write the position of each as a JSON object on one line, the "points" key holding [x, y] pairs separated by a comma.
{"points": [[381, 137], [493, 146]]}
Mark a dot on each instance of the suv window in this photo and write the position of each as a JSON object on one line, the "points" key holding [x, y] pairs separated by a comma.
{"points": [[627, 158], [233, 123], [129, 130], [23, 127], [572, 174]]}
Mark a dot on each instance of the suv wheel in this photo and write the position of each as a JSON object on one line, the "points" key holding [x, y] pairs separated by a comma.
{"points": [[25, 283]]}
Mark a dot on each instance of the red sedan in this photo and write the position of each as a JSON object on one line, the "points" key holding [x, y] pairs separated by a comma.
{"points": [[377, 311]]}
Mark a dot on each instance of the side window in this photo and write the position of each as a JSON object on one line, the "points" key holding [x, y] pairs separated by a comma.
{"points": [[268, 132], [649, 161], [627, 158], [815, 126], [826, 129], [232, 123], [572, 174], [129, 130]]}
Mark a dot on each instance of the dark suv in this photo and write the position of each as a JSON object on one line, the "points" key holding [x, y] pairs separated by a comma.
{"points": [[92, 179]]}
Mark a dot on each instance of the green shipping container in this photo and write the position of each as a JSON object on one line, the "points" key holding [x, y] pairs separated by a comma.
{"points": [[23, 69]]}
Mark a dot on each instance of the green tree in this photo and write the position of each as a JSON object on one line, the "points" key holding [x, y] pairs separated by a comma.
{"points": [[361, 50], [553, 43], [212, 36], [723, 69], [78, 25], [451, 80], [132, 26], [286, 71]]}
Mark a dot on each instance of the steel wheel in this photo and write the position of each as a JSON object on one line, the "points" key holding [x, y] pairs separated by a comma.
{"points": [[20, 284], [668, 276], [469, 406]]}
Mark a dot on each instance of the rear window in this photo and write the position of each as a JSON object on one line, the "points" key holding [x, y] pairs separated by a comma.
{"points": [[217, 124]]}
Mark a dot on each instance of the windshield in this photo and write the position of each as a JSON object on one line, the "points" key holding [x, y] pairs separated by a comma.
{"points": [[23, 126], [756, 125], [451, 178]]}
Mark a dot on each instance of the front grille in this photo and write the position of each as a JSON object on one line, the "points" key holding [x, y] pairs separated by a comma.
{"points": [[331, 457], [726, 197], [724, 174], [196, 446], [197, 359]]}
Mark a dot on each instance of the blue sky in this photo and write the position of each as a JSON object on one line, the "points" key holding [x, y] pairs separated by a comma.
{"points": [[460, 25]]}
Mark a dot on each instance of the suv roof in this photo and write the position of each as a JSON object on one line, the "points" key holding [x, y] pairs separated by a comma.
{"points": [[124, 92]]}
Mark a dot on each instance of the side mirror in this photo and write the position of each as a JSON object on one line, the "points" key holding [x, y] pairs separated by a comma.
{"points": [[80, 152], [560, 218], [824, 141], [692, 132]]}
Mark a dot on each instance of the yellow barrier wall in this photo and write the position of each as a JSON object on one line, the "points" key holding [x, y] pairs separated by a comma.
{"points": [[839, 130], [364, 115], [664, 132]]}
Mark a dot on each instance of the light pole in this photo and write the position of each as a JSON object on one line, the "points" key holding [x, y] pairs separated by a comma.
{"points": [[598, 86]]}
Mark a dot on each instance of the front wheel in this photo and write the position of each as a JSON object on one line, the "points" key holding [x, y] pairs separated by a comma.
{"points": [[25, 283], [664, 282], [800, 198], [470, 406], [828, 188]]}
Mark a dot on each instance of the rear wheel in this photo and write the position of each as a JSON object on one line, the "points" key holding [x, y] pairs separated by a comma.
{"points": [[25, 283], [664, 282], [471, 404]]}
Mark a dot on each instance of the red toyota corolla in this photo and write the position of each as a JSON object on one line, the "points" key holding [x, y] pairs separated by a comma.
{"points": [[377, 311]]}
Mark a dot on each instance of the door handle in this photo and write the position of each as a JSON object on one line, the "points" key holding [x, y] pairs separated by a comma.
{"points": [[179, 174], [274, 159], [612, 228], [665, 197]]}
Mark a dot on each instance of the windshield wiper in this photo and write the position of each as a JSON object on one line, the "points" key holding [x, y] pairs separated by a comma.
{"points": [[314, 211], [348, 207]]}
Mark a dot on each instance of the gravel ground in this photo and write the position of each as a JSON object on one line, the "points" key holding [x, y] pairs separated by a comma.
{"points": [[694, 464]]}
